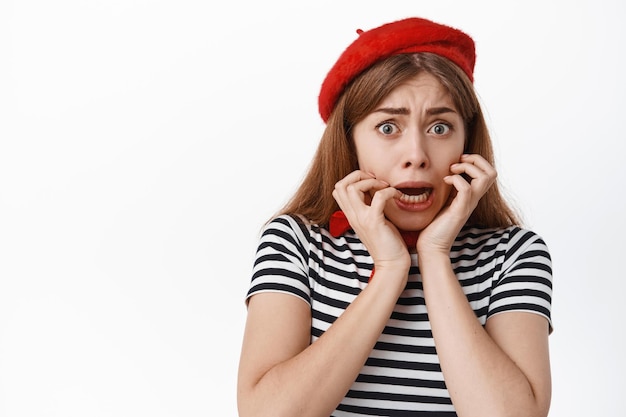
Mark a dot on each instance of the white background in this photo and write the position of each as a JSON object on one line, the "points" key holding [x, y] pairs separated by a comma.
{"points": [[144, 143]]}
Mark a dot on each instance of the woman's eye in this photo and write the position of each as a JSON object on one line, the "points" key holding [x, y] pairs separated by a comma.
{"points": [[386, 128], [440, 129]]}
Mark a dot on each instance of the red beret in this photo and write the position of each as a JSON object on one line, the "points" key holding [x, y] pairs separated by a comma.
{"points": [[400, 37]]}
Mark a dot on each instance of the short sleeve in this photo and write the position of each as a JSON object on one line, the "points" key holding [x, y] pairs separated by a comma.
{"points": [[281, 263], [525, 283]]}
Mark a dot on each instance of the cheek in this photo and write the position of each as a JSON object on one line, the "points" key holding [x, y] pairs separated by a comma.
{"points": [[368, 162], [361, 155], [454, 155], [446, 161]]}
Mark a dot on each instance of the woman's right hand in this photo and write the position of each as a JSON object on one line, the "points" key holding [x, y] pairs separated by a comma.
{"points": [[363, 197]]}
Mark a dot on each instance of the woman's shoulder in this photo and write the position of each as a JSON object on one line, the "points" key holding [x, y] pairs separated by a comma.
{"points": [[514, 233], [510, 239], [291, 223], [508, 244], [289, 228]]}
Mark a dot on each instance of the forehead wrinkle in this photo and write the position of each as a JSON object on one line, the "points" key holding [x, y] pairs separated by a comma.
{"points": [[432, 111], [393, 110]]}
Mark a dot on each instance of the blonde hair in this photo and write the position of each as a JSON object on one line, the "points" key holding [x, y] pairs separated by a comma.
{"points": [[336, 154]]}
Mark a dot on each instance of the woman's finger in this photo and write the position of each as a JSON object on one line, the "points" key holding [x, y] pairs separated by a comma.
{"points": [[475, 174], [382, 196], [363, 186], [481, 163], [357, 187], [352, 177], [482, 175], [341, 193]]}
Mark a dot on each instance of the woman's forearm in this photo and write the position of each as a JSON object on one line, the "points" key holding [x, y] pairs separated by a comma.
{"points": [[313, 382], [481, 379]]}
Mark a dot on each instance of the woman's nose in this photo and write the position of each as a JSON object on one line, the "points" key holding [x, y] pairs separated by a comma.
{"points": [[416, 155]]}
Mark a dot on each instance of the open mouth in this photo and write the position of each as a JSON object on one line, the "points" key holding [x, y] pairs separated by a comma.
{"points": [[414, 195]]}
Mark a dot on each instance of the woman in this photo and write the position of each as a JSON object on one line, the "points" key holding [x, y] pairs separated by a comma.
{"points": [[397, 281]]}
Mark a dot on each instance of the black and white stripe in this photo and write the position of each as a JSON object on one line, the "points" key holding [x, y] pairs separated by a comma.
{"points": [[499, 269]]}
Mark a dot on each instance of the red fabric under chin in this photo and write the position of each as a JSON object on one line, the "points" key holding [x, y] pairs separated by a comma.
{"points": [[339, 224]]}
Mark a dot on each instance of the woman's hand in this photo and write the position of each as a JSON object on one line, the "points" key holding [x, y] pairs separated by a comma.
{"points": [[439, 235], [365, 214]]}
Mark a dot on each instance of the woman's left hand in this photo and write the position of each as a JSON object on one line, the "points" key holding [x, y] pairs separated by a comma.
{"points": [[440, 234]]}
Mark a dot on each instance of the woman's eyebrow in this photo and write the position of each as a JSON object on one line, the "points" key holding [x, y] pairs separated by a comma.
{"points": [[433, 111], [393, 110], [439, 110]]}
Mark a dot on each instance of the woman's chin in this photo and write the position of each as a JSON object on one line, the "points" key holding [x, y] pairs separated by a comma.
{"points": [[410, 222]]}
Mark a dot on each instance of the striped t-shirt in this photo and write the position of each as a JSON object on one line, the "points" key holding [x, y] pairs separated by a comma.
{"points": [[507, 269]]}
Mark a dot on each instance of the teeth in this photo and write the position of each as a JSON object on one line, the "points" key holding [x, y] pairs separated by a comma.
{"points": [[412, 199]]}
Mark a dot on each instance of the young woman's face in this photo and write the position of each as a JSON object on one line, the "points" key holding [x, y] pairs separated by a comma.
{"points": [[410, 141]]}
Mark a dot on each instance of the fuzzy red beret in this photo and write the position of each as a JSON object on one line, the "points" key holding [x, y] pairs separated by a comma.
{"points": [[400, 37]]}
